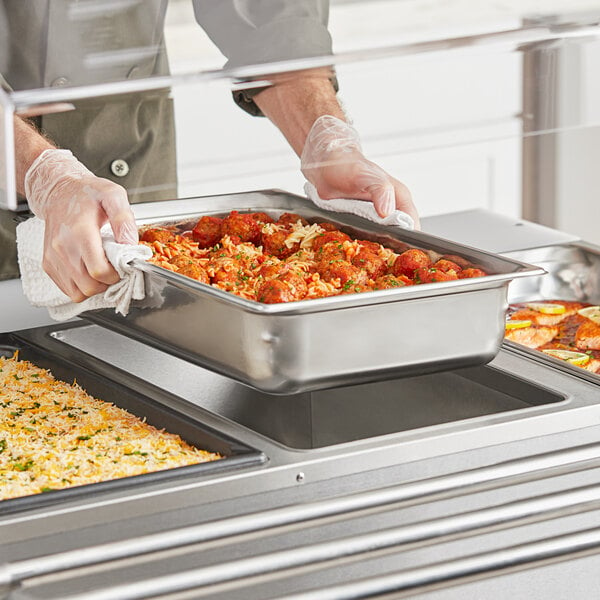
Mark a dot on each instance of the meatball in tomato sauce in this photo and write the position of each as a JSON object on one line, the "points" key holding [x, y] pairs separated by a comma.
{"points": [[328, 226], [431, 275], [288, 288], [344, 271], [408, 262], [468, 273], [289, 219], [243, 226], [329, 236], [262, 217], [274, 244], [157, 234], [195, 271], [446, 266], [370, 262], [330, 252], [207, 232], [389, 281]]}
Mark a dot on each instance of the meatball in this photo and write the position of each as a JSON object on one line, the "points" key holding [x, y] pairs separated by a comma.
{"points": [[430, 275], [463, 263], [157, 234], [244, 226], [369, 261], [446, 266], [288, 288], [346, 272], [288, 219], [262, 217], [391, 281], [468, 273], [195, 271], [330, 252], [328, 237], [296, 282], [270, 270], [274, 244], [408, 262], [227, 272], [368, 245], [181, 260], [351, 288], [328, 226], [207, 232]]}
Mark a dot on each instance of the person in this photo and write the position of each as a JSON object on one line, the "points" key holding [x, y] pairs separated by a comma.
{"points": [[76, 191]]}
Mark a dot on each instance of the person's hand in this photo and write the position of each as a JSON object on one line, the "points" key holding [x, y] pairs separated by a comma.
{"points": [[332, 160], [75, 204]]}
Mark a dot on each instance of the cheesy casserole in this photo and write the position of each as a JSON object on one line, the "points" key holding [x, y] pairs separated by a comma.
{"points": [[54, 435]]}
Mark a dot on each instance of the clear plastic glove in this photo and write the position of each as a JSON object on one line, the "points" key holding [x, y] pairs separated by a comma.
{"points": [[332, 160], [75, 204]]}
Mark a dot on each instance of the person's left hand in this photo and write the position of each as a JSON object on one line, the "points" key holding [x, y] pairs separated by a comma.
{"points": [[332, 160]]}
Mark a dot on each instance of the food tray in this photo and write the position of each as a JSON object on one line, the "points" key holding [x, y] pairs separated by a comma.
{"points": [[327, 342], [572, 273], [159, 408]]}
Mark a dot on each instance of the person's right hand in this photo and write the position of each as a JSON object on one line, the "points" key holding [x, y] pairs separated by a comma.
{"points": [[333, 161], [75, 204]]}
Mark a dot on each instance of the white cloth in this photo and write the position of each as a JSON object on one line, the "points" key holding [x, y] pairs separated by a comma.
{"points": [[42, 291], [361, 208]]}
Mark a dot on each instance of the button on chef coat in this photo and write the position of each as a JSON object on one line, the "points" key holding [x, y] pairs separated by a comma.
{"points": [[119, 167]]}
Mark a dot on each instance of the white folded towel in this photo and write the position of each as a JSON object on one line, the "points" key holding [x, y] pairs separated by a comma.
{"points": [[361, 208], [42, 291]]}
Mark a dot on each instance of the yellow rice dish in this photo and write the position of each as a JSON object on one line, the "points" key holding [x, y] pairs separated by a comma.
{"points": [[54, 435]]}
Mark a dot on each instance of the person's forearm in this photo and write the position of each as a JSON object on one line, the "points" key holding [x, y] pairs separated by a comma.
{"points": [[29, 144], [296, 101]]}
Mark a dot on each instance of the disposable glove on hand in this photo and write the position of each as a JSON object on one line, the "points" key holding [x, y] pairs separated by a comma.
{"points": [[333, 161], [75, 204]]}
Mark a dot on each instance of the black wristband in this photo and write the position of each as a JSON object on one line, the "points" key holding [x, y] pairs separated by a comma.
{"points": [[245, 98]]}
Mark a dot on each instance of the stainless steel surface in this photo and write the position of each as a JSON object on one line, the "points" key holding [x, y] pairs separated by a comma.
{"points": [[493, 232], [457, 488], [448, 572], [316, 344], [156, 407], [509, 473], [573, 273], [530, 510], [115, 356], [312, 419], [362, 535]]}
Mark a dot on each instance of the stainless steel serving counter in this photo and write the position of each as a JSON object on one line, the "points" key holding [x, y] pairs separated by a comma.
{"points": [[478, 483]]}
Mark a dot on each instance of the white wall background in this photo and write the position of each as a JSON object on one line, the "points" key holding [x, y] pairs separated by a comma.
{"points": [[446, 124]]}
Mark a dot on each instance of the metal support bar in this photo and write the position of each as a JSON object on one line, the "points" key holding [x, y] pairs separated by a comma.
{"points": [[512, 472], [555, 549], [541, 508], [513, 37]]}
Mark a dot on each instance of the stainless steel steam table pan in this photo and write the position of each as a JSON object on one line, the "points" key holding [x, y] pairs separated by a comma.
{"points": [[572, 273], [327, 342], [155, 406]]}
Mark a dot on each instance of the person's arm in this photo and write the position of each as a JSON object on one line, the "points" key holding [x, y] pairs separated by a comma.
{"points": [[74, 204], [249, 32], [305, 108], [29, 144]]}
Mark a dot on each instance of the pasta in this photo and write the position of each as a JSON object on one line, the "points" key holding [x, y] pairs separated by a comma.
{"points": [[255, 257]]}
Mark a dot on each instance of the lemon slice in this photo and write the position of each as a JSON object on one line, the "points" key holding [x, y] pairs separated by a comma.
{"points": [[575, 358], [547, 308], [516, 324], [591, 312]]}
